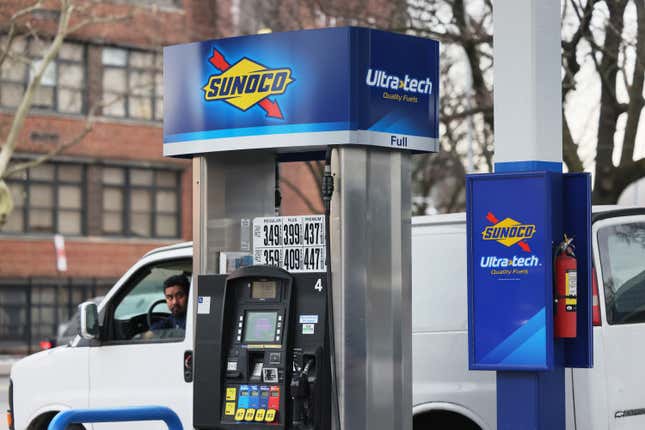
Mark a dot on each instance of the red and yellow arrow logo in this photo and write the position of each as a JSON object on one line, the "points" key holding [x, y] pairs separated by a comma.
{"points": [[246, 84], [508, 232]]}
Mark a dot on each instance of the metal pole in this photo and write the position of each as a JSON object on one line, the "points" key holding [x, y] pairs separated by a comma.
{"points": [[28, 311], [528, 137], [371, 273]]}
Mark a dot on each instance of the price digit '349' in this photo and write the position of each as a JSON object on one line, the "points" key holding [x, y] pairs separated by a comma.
{"points": [[272, 235]]}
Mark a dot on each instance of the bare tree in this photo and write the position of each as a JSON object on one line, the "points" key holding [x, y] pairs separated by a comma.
{"points": [[72, 17], [619, 62], [594, 36]]}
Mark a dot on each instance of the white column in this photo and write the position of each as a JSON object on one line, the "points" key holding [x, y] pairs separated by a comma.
{"points": [[528, 121]]}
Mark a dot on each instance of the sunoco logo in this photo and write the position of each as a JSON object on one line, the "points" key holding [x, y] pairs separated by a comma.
{"points": [[246, 84], [508, 232]]}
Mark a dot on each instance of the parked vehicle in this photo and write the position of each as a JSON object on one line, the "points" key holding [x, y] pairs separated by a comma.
{"points": [[609, 396], [123, 369]]}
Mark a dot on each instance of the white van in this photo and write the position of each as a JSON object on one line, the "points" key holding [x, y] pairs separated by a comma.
{"points": [[124, 371]]}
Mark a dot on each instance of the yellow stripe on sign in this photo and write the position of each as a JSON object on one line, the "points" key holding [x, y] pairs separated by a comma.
{"points": [[230, 408], [230, 393]]}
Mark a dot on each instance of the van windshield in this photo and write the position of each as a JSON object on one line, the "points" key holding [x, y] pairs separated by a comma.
{"points": [[622, 258]]}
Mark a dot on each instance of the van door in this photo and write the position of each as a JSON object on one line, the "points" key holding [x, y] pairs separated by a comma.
{"points": [[620, 258], [133, 366]]}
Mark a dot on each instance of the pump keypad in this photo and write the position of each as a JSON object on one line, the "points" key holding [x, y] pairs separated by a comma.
{"points": [[270, 416], [252, 403], [239, 414]]}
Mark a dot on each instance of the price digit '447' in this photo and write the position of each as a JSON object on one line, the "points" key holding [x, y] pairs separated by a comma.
{"points": [[312, 259]]}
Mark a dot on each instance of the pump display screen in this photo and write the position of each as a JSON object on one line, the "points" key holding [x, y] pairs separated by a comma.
{"points": [[264, 289], [260, 326]]}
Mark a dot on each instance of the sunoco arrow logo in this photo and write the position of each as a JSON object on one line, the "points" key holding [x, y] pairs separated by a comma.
{"points": [[246, 84], [508, 232]]}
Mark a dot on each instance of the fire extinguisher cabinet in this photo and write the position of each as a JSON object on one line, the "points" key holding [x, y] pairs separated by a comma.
{"points": [[515, 222]]}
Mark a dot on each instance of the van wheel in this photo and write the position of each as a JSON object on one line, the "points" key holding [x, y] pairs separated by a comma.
{"points": [[443, 420], [42, 422]]}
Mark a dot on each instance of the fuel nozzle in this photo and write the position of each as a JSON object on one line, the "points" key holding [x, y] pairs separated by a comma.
{"points": [[300, 396]]}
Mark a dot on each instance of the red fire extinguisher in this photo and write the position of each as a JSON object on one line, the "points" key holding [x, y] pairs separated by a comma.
{"points": [[566, 289]]}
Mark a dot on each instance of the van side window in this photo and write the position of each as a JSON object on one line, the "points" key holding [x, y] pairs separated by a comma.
{"points": [[129, 313], [622, 258]]}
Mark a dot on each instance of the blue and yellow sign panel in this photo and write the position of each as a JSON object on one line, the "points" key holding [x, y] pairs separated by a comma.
{"points": [[510, 293], [301, 90]]}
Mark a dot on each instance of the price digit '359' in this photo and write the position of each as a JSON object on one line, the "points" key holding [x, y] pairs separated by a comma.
{"points": [[271, 257]]}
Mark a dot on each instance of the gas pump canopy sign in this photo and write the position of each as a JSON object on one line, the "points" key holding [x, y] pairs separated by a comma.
{"points": [[302, 91]]}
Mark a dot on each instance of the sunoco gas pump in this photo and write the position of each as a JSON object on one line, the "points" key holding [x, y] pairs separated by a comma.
{"points": [[302, 322], [265, 352]]}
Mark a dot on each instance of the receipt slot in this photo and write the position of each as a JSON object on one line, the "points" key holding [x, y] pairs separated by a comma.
{"points": [[261, 353]]}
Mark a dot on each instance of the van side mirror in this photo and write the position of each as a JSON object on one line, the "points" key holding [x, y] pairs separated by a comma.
{"points": [[89, 320]]}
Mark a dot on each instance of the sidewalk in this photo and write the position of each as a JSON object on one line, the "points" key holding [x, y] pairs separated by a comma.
{"points": [[6, 361]]}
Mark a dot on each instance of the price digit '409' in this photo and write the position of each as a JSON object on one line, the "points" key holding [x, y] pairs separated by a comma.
{"points": [[291, 259]]}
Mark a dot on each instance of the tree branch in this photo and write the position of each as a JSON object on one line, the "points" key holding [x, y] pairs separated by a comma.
{"points": [[97, 20], [569, 148], [25, 104], [610, 110], [486, 110], [12, 28], [629, 172], [635, 91], [90, 121]]}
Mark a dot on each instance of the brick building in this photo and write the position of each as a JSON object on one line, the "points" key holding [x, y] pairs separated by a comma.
{"points": [[112, 195]]}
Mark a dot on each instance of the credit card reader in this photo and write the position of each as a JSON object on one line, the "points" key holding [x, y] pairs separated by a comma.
{"points": [[261, 351]]}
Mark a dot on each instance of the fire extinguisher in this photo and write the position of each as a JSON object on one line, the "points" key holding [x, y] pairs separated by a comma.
{"points": [[566, 289]]}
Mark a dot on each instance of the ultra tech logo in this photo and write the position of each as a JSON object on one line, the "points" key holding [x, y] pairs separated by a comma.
{"points": [[246, 84]]}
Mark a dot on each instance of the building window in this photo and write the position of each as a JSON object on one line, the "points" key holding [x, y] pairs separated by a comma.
{"points": [[141, 202], [32, 309], [132, 84], [62, 86], [48, 198]]}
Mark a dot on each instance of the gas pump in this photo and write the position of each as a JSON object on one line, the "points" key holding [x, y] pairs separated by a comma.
{"points": [[270, 349], [262, 351]]}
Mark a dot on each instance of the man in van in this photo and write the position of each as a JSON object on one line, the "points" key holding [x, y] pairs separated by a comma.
{"points": [[175, 290]]}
